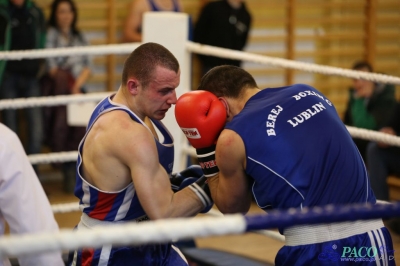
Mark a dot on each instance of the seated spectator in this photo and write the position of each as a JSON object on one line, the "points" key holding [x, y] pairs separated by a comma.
{"points": [[226, 24], [66, 75], [23, 203], [383, 160], [22, 27], [133, 25], [370, 105]]}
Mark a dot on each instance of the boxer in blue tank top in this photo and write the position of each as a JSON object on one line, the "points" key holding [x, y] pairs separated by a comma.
{"points": [[287, 148], [122, 205], [124, 165]]}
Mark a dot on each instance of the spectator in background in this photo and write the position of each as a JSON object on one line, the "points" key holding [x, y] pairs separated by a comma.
{"points": [[22, 27], [23, 203], [133, 25], [225, 24], [370, 105], [66, 75], [384, 159]]}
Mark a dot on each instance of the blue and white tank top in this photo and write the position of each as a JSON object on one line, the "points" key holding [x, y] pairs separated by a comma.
{"points": [[124, 204]]}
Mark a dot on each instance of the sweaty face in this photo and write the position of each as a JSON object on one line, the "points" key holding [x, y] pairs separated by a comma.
{"points": [[159, 95], [64, 15]]}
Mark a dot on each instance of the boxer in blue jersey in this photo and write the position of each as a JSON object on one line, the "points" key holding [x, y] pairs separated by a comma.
{"points": [[287, 148], [124, 166]]}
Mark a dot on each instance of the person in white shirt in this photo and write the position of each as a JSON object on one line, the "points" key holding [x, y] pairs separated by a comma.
{"points": [[23, 202]]}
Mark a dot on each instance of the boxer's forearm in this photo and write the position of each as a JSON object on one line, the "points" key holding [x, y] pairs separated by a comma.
{"points": [[225, 199]]}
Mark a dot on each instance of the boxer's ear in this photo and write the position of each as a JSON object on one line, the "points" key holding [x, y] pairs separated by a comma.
{"points": [[223, 100], [133, 86]]}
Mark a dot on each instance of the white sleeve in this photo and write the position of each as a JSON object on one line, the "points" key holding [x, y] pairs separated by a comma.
{"points": [[23, 203]]}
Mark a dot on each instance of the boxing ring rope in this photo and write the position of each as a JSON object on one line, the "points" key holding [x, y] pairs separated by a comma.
{"points": [[286, 63], [167, 230], [361, 133], [106, 49], [52, 100], [202, 49], [173, 229], [53, 157], [65, 207]]}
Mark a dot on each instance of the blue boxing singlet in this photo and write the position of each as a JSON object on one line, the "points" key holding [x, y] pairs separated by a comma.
{"points": [[121, 205], [299, 153]]}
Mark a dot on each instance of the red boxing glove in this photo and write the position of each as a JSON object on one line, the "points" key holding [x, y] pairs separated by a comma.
{"points": [[201, 116]]}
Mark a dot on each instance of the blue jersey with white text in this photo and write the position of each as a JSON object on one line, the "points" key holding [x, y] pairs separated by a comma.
{"points": [[117, 205], [298, 151]]}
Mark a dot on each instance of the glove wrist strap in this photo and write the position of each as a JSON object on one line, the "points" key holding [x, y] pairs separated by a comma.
{"points": [[206, 158]]}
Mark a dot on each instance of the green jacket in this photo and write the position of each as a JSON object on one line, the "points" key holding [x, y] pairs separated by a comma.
{"points": [[374, 112], [5, 28]]}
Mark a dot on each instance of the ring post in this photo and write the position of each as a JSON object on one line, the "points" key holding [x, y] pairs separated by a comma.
{"points": [[171, 29]]}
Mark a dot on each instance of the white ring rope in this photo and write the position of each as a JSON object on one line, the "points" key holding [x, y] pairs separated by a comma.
{"points": [[372, 135], [65, 207], [52, 100], [360, 133], [158, 231], [76, 50], [286, 63], [201, 49], [54, 157]]}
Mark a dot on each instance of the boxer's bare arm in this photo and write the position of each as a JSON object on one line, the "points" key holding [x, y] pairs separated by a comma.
{"points": [[230, 189], [126, 151], [152, 182]]}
